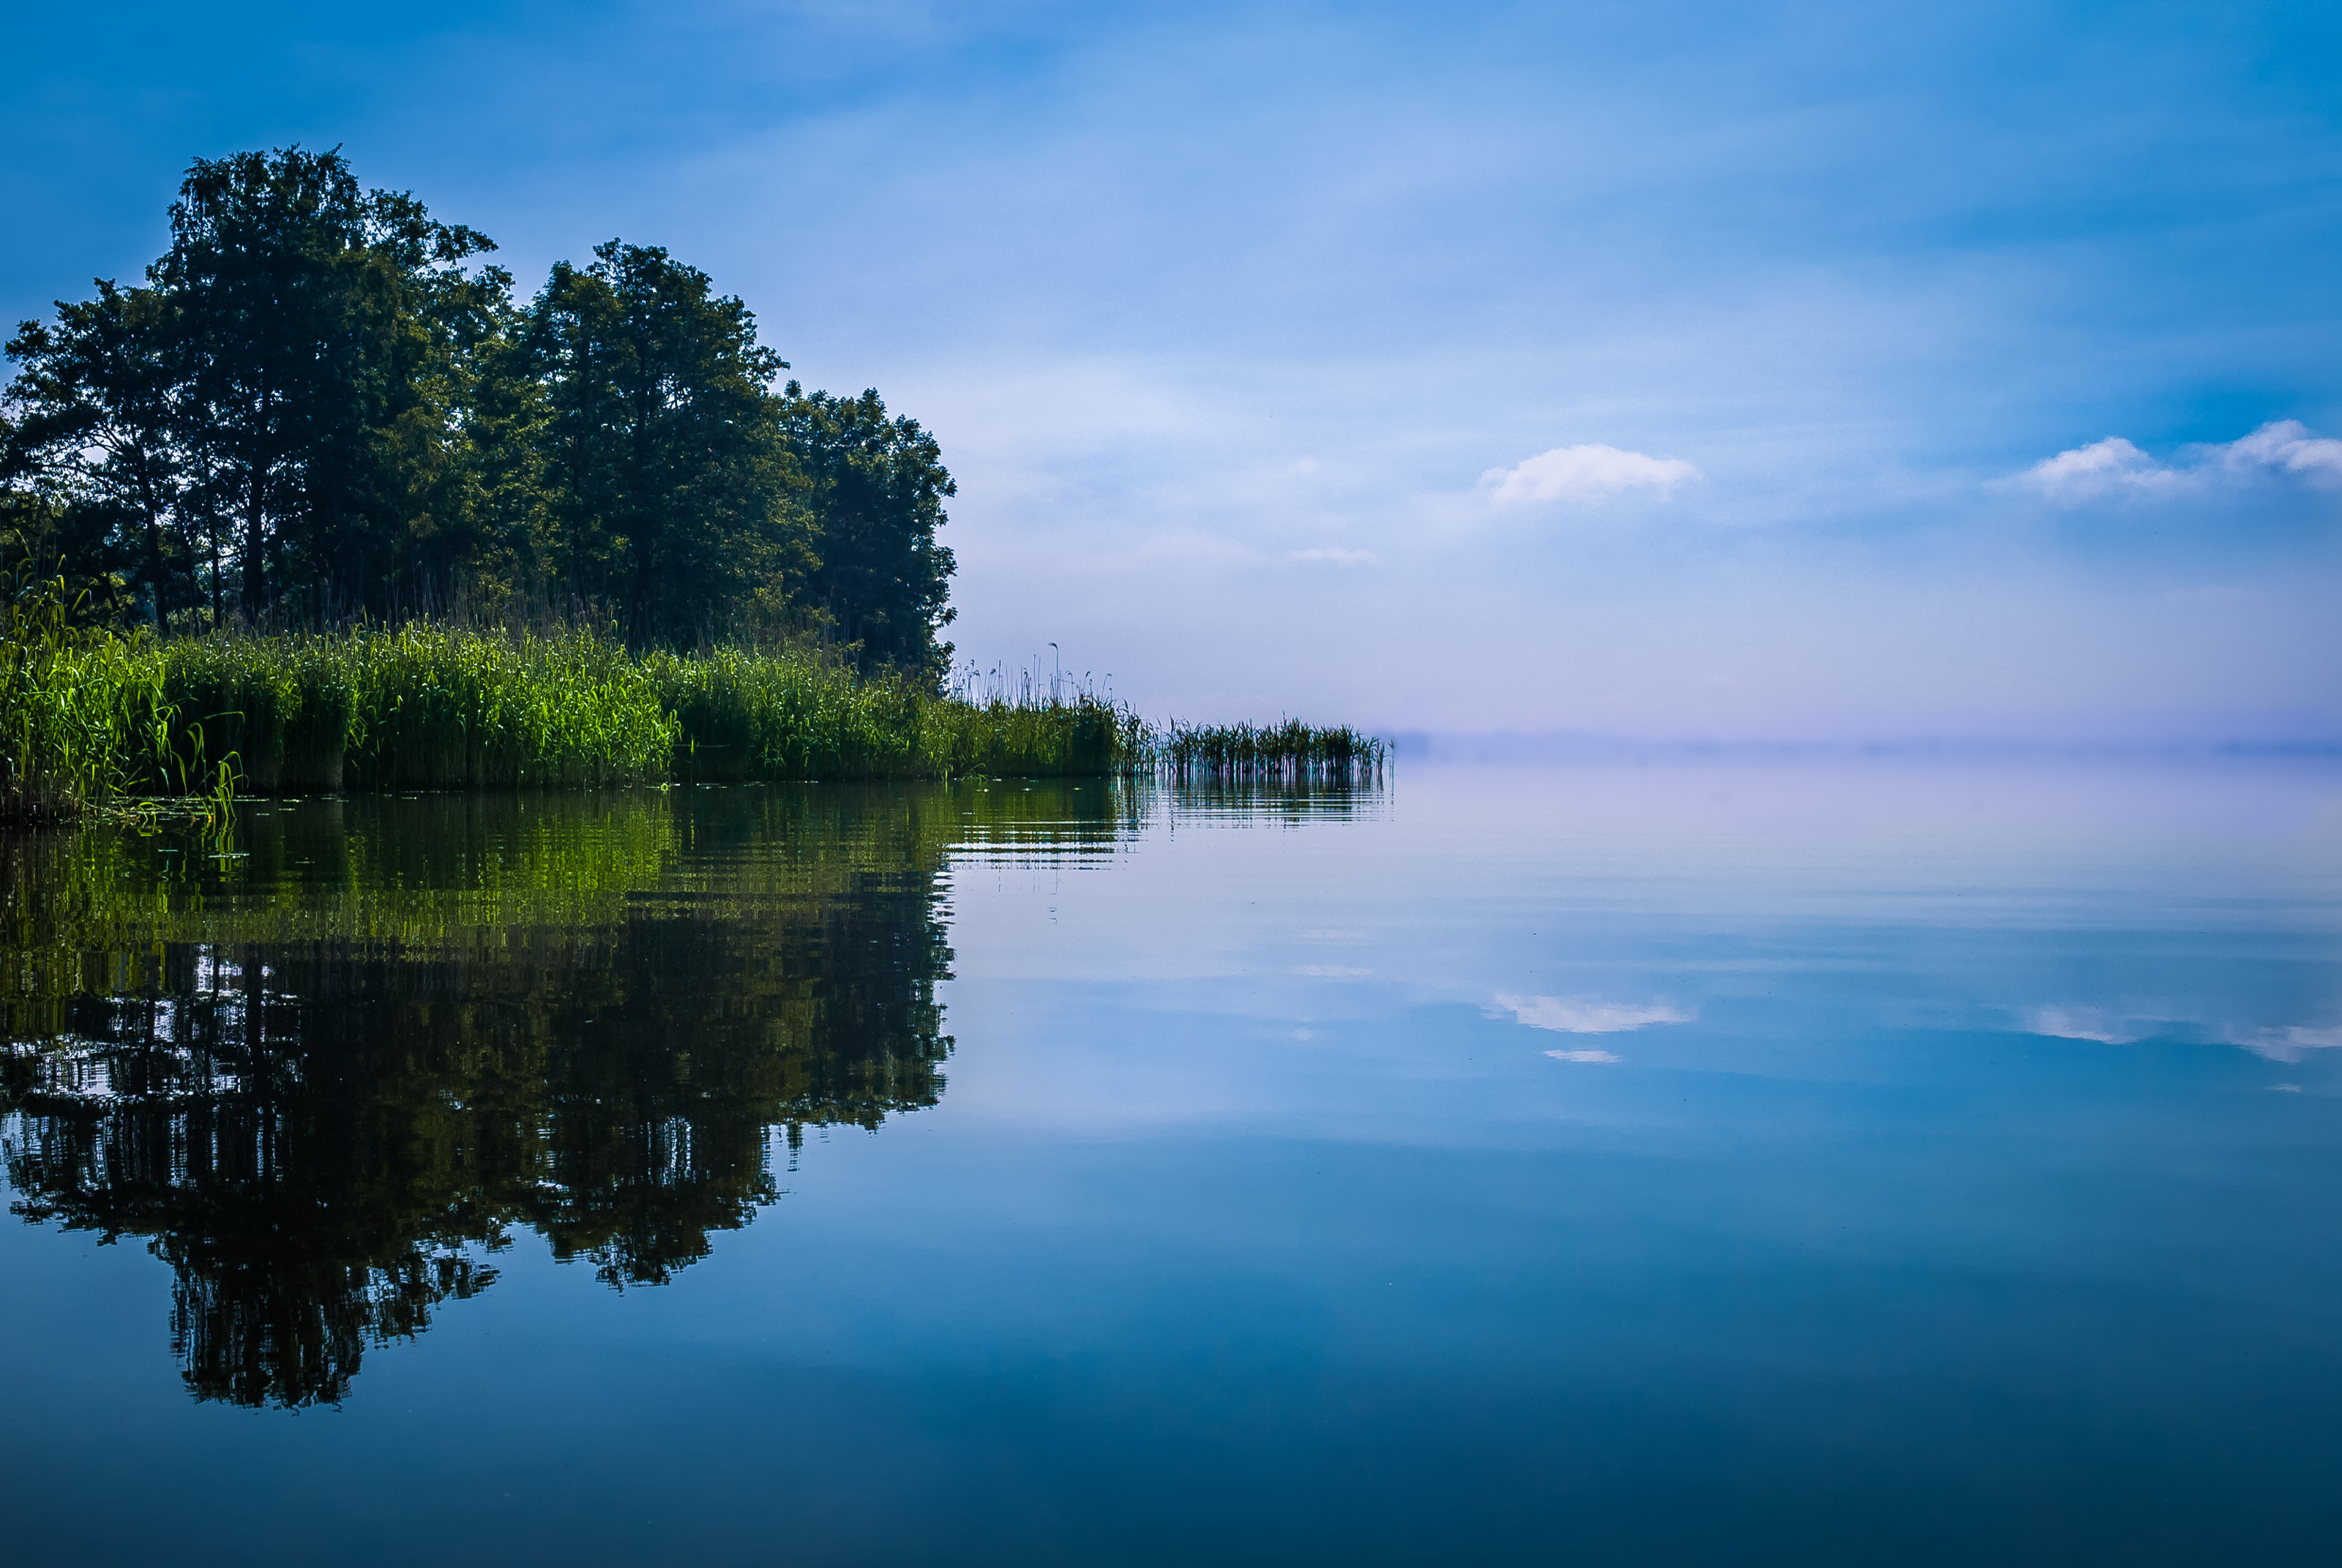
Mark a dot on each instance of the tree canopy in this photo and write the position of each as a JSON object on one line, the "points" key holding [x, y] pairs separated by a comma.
{"points": [[322, 403]]}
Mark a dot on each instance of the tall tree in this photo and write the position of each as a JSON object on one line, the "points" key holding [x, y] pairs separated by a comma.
{"points": [[324, 404], [95, 407], [878, 487], [306, 319], [673, 497]]}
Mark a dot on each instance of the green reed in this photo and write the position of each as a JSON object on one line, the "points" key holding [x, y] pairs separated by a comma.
{"points": [[81, 712], [1290, 751], [88, 716]]}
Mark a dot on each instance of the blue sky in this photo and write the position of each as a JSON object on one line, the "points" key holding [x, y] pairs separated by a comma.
{"points": [[1653, 370]]}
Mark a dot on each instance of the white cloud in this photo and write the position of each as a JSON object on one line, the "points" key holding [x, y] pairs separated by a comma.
{"points": [[1338, 557], [1331, 971], [2287, 1044], [2103, 468], [1581, 1055], [2115, 467], [2081, 1024], [1585, 474], [2286, 446], [1581, 1015]]}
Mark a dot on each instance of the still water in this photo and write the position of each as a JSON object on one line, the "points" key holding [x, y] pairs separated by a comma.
{"points": [[1781, 1163]]}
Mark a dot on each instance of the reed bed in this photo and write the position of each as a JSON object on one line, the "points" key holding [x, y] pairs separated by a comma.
{"points": [[1289, 753], [420, 708], [86, 717], [78, 710]]}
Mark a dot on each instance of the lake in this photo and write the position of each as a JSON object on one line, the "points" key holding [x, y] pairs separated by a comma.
{"points": [[1749, 1161]]}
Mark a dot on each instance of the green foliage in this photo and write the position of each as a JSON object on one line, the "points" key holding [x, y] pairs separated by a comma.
{"points": [[877, 486], [1078, 737], [440, 707], [100, 398], [791, 715], [324, 409], [309, 324], [672, 496]]}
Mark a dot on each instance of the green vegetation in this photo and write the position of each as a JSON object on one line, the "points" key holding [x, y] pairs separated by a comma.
{"points": [[323, 506], [88, 716], [1289, 751], [80, 711], [322, 406], [92, 718]]}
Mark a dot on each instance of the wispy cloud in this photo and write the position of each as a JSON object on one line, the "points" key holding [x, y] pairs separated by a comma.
{"points": [[2288, 1043], [1585, 474], [1336, 556], [1582, 1055], [2082, 1024], [1581, 1015], [2284, 450]]}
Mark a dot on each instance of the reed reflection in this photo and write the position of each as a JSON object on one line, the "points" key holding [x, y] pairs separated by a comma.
{"points": [[330, 1077]]}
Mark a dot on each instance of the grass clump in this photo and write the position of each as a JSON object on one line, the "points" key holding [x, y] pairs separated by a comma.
{"points": [[420, 708], [437, 707], [1288, 751], [790, 715], [82, 712], [743, 715]]}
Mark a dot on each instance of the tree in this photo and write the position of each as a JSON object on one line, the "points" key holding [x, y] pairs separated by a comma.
{"points": [[878, 493], [322, 405], [310, 320], [95, 410], [671, 496]]}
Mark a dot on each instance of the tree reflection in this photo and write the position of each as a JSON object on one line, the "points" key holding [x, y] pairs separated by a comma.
{"points": [[330, 1080]]}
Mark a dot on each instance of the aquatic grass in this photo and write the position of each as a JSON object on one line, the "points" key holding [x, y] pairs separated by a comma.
{"points": [[86, 717], [1290, 751], [81, 711], [418, 708], [276, 712], [439, 707], [745, 714]]}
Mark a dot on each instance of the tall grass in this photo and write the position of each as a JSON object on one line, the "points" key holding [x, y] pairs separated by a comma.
{"points": [[743, 715], [420, 708], [84, 716], [1290, 751]]}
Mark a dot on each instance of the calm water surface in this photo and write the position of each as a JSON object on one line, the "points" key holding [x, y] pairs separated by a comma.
{"points": [[1695, 1164]]}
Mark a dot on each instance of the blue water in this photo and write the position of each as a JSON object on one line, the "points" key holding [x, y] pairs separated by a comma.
{"points": [[1790, 1162]]}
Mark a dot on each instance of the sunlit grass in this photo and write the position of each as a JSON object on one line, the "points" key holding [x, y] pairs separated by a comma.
{"points": [[86, 717]]}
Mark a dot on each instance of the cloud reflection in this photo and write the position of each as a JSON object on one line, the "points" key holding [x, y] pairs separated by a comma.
{"points": [[1583, 1015]]}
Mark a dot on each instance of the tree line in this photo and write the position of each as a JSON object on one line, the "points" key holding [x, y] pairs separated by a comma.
{"points": [[324, 403]]}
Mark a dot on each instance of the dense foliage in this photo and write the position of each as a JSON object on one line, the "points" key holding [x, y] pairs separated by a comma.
{"points": [[322, 405]]}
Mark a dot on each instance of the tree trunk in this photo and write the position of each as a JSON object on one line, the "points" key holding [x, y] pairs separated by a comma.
{"points": [[255, 539]]}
